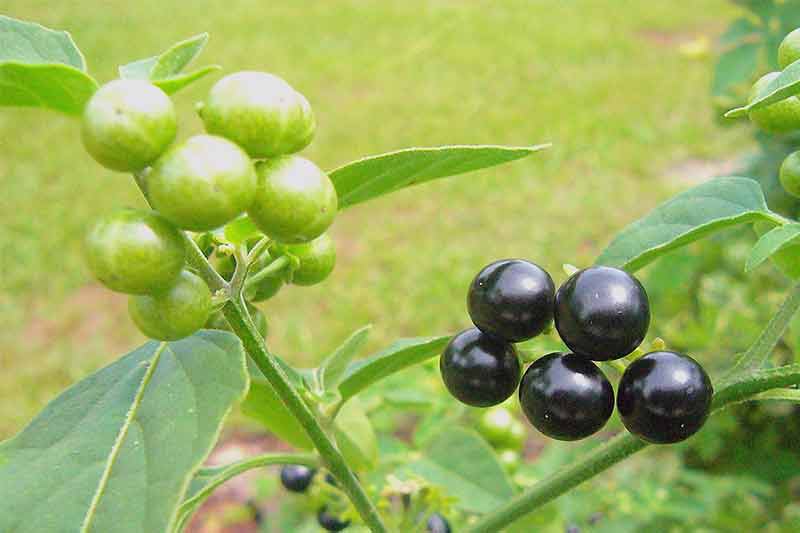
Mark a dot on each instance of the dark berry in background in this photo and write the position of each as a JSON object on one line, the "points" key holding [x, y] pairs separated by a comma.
{"points": [[329, 522], [566, 396], [296, 478], [479, 369], [511, 299], [437, 524], [602, 313], [664, 397]]}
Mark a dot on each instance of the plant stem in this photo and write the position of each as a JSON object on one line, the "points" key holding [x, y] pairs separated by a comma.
{"points": [[238, 318], [269, 270], [623, 446], [236, 315]]}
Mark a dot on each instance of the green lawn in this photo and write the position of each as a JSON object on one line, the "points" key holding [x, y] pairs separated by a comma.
{"points": [[604, 81]]}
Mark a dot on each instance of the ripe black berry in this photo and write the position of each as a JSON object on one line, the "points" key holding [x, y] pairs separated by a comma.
{"points": [[297, 478], [478, 369], [602, 313], [329, 522], [511, 299], [565, 396], [664, 397], [437, 524]]}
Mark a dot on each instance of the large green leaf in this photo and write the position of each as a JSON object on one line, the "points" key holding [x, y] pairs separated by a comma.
{"points": [[355, 436], [772, 242], [687, 217], [31, 43], [262, 404], [335, 365], [377, 175], [464, 465], [399, 355], [116, 451], [786, 84]]}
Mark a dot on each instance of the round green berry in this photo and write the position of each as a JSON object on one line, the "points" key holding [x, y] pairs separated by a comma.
{"points": [[127, 124], [295, 201], [789, 50], [780, 117], [135, 251], [260, 112], [265, 289], [202, 183], [790, 174], [317, 259], [175, 312]]}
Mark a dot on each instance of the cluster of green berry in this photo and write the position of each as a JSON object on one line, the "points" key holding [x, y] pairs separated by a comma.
{"points": [[246, 163], [299, 478], [781, 117], [601, 314]]}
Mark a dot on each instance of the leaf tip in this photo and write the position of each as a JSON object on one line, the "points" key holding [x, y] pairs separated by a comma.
{"points": [[736, 112]]}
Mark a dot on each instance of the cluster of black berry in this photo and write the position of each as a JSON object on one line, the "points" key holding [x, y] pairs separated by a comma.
{"points": [[298, 478], [601, 314]]}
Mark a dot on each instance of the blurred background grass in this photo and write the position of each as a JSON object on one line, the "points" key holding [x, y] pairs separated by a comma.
{"points": [[607, 83]]}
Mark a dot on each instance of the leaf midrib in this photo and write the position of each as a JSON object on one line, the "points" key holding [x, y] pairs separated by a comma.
{"points": [[129, 418]]}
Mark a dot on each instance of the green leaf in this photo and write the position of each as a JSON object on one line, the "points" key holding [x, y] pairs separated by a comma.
{"points": [[736, 66], [116, 451], [398, 356], [33, 44], [377, 175], [687, 217], [786, 84], [52, 86], [264, 405], [176, 83], [465, 466], [334, 366], [771, 243], [139, 69], [356, 437], [241, 230], [178, 56]]}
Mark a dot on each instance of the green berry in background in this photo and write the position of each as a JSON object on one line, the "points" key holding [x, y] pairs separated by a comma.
{"points": [[780, 117], [135, 251], [790, 174], [495, 425], [517, 436], [295, 201], [260, 112], [265, 289], [509, 459], [128, 124], [789, 50], [317, 259], [217, 320], [174, 313], [202, 183]]}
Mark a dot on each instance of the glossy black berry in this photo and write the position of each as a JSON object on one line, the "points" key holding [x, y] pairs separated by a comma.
{"points": [[297, 478], [602, 313], [329, 522], [478, 369], [565, 396], [664, 397], [511, 299], [437, 524]]}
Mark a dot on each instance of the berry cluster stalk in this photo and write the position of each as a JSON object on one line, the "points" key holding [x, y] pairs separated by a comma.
{"points": [[238, 318]]}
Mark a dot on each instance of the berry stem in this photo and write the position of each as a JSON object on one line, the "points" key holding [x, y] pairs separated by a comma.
{"points": [[270, 270], [623, 446], [236, 315]]}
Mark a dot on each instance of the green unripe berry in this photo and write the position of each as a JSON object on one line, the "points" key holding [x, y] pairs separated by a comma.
{"points": [[217, 321], [780, 117], [265, 289], [260, 112], [790, 174], [517, 435], [509, 459], [789, 50], [495, 425], [317, 259], [127, 124], [295, 201], [202, 183], [174, 313], [135, 251]]}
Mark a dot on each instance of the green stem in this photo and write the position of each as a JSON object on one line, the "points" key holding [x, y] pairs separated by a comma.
{"points": [[260, 247], [622, 446], [236, 315], [269, 270], [239, 320]]}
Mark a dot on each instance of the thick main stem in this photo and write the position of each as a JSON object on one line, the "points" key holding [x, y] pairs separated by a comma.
{"points": [[235, 313]]}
